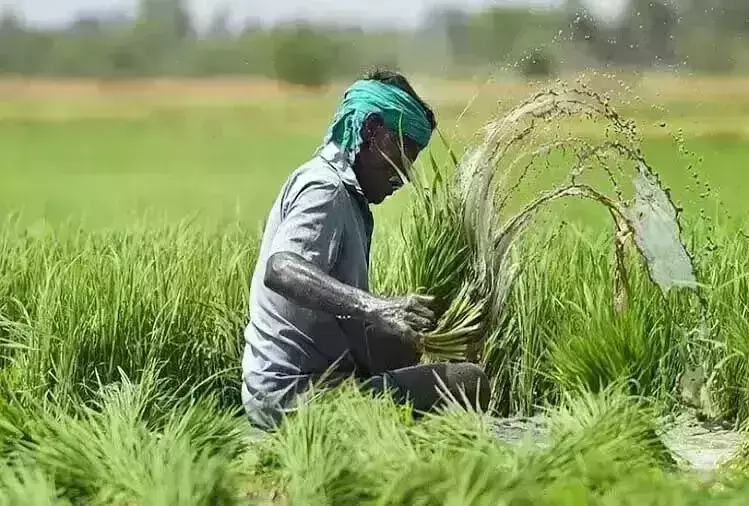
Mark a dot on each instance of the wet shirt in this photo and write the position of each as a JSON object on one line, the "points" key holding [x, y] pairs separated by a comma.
{"points": [[320, 214]]}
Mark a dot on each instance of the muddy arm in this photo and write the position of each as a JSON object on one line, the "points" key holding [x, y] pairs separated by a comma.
{"points": [[305, 283], [309, 286]]}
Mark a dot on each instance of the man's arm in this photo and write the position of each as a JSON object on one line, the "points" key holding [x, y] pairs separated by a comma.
{"points": [[290, 275], [306, 284]]}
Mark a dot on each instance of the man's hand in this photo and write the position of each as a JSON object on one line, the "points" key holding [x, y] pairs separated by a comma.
{"points": [[403, 317]]}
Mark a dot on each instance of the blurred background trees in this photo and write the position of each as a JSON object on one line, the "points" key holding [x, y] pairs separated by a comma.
{"points": [[160, 38]]}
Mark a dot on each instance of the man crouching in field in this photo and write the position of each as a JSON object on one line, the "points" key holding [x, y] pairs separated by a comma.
{"points": [[312, 317]]}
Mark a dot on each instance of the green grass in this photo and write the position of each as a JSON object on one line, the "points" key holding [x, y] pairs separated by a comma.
{"points": [[121, 322], [158, 310]]}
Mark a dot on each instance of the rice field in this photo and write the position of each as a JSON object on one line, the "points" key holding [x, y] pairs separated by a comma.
{"points": [[131, 230]]}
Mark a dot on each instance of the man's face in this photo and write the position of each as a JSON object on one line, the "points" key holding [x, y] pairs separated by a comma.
{"points": [[377, 163]]}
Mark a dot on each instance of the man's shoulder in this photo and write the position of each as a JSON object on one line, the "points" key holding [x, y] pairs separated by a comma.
{"points": [[314, 175], [318, 170]]}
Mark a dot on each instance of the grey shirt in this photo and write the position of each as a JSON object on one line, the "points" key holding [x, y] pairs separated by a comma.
{"points": [[322, 215]]}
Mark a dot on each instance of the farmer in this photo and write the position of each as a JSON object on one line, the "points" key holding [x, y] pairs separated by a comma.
{"points": [[313, 320]]}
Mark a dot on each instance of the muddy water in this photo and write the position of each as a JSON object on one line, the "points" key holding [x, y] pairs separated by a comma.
{"points": [[696, 446], [700, 447]]}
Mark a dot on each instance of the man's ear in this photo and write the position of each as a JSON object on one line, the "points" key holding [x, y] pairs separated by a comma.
{"points": [[372, 125]]}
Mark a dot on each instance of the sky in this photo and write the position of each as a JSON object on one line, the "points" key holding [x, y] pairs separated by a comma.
{"points": [[400, 12]]}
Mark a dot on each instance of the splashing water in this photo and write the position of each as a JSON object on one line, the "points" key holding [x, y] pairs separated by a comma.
{"points": [[523, 142], [657, 233]]}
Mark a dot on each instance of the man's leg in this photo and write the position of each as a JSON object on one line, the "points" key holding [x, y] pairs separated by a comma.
{"points": [[423, 385]]}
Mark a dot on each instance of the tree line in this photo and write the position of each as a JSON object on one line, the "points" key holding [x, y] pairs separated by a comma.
{"points": [[161, 39]]}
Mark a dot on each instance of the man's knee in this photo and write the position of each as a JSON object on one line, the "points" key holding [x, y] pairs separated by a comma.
{"points": [[425, 384], [469, 380]]}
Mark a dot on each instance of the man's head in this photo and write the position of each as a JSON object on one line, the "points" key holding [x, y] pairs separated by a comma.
{"points": [[391, 124]]}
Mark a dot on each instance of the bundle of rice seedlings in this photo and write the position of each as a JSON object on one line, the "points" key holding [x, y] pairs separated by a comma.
{"points": [[440, 261], [459, 242]]}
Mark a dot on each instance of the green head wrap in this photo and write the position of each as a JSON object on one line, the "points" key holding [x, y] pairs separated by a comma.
{"points": [[401, 113]]}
